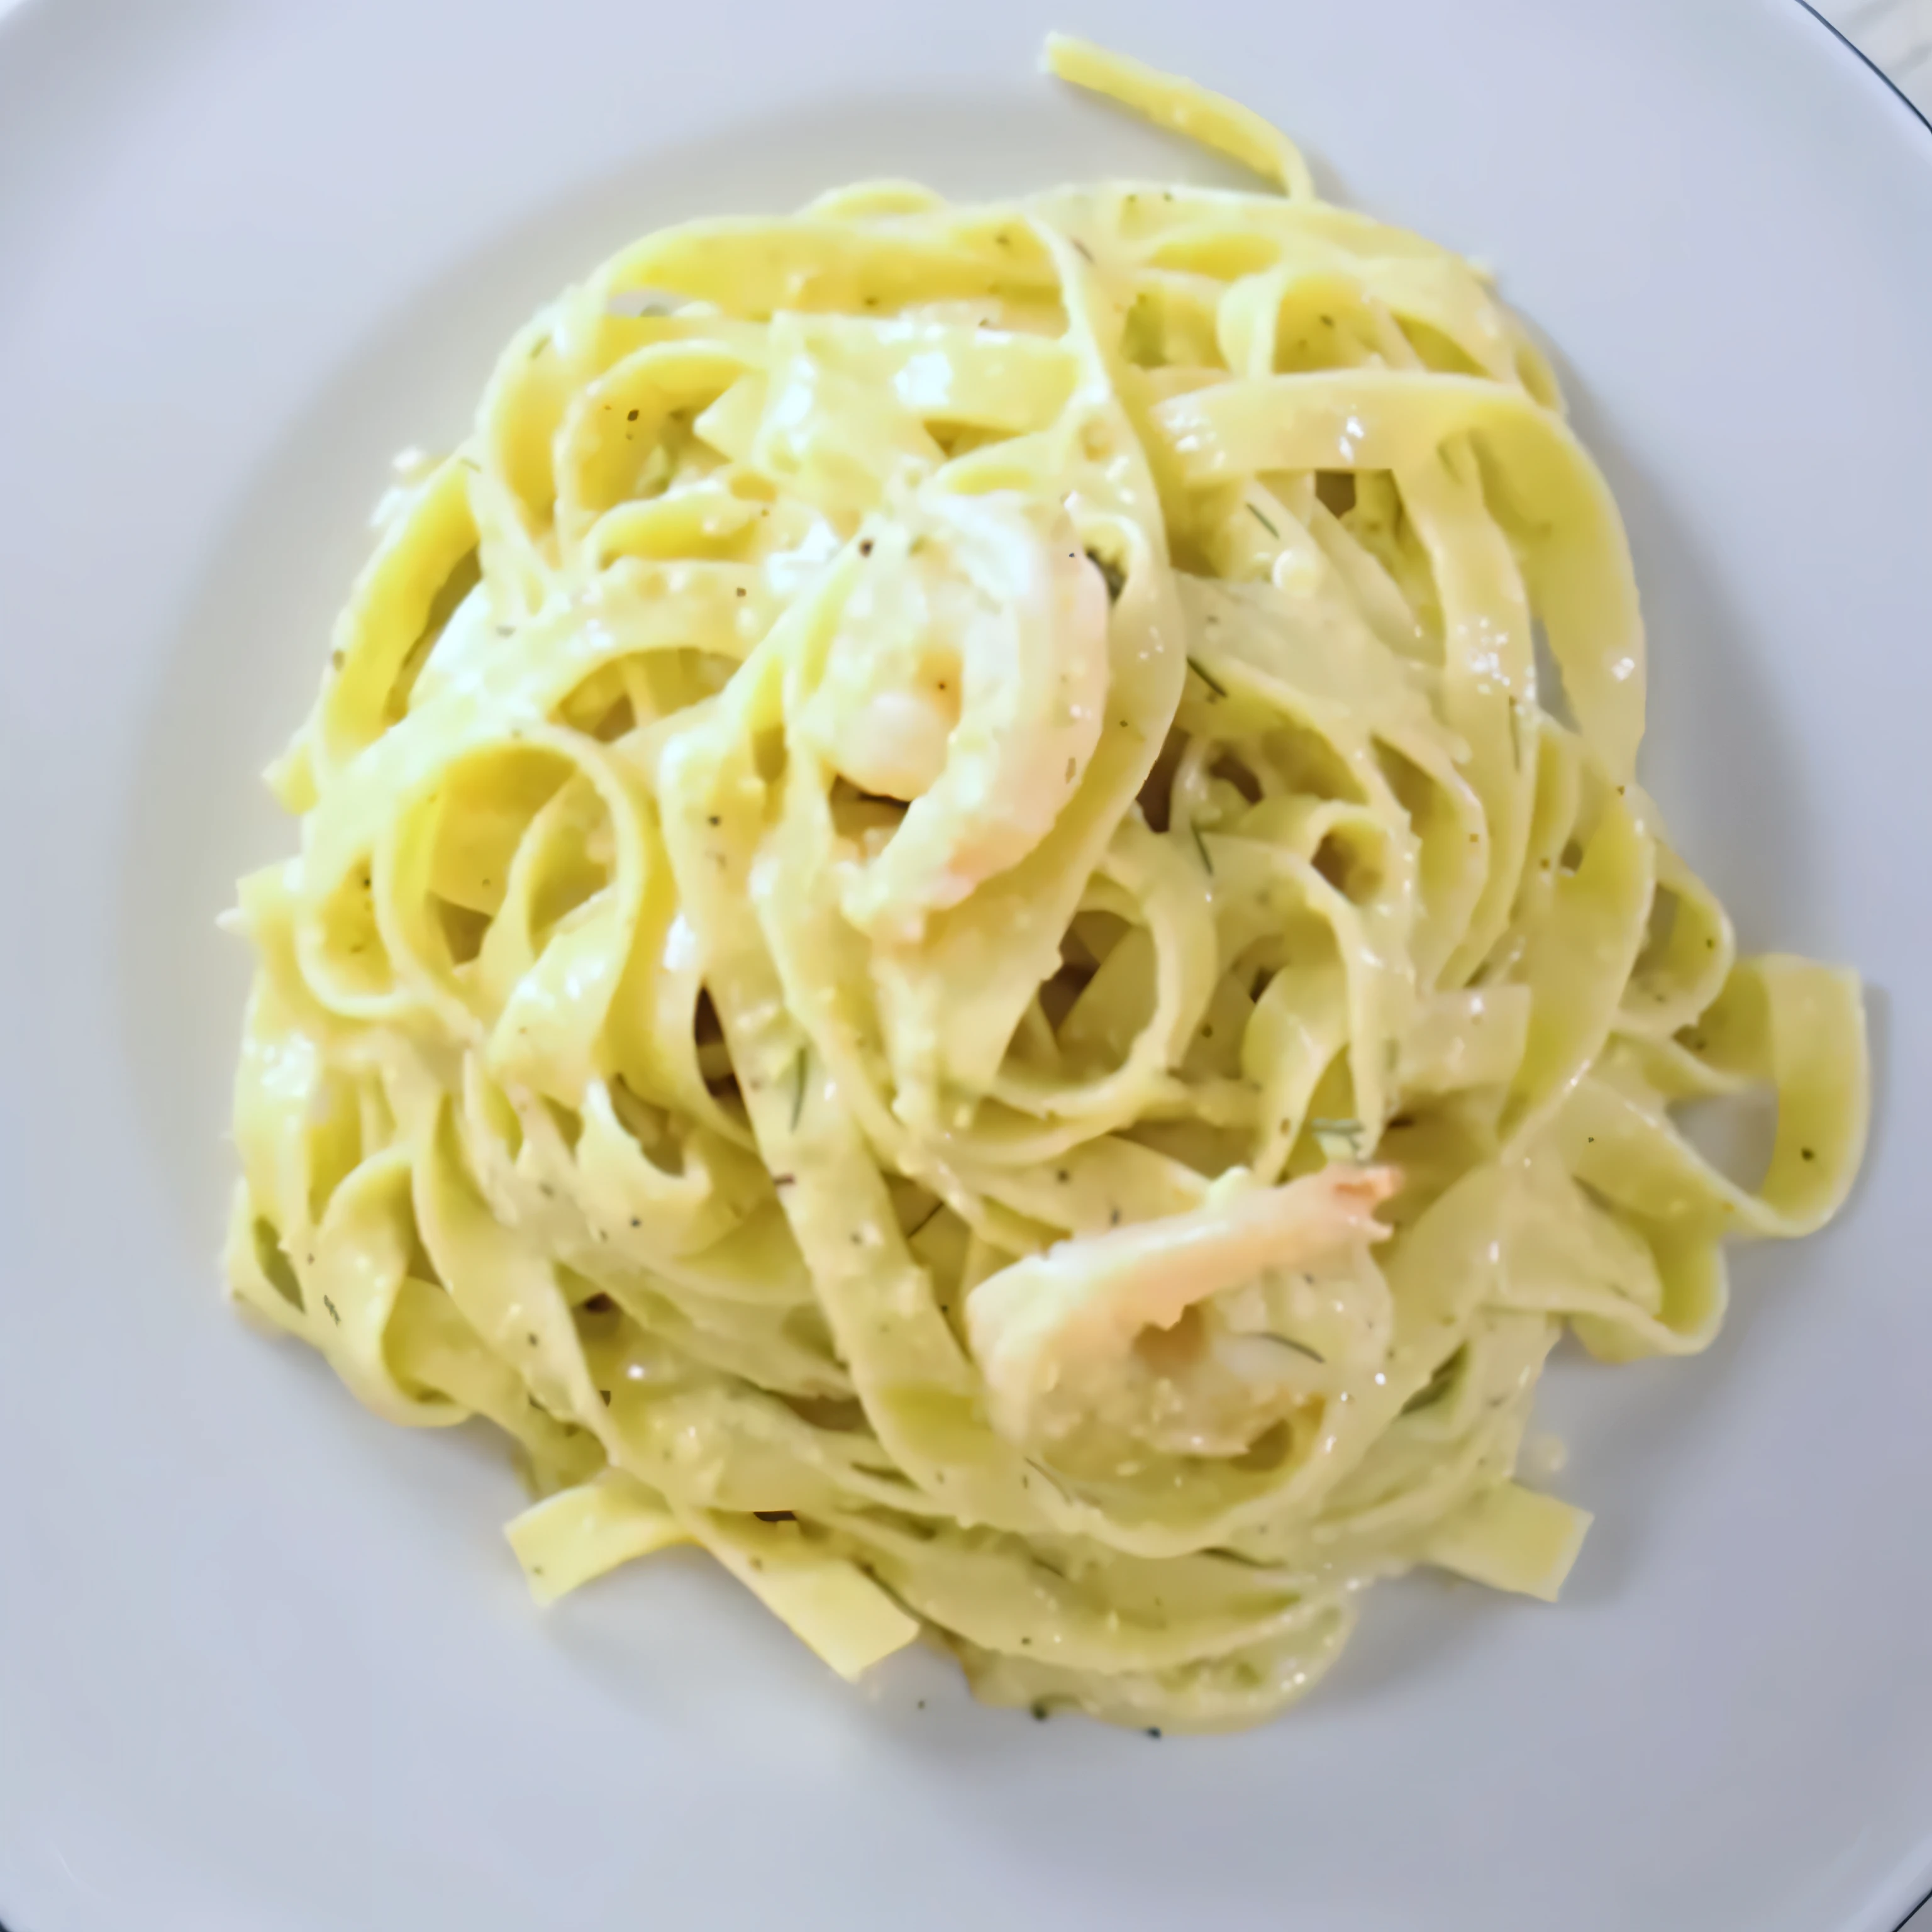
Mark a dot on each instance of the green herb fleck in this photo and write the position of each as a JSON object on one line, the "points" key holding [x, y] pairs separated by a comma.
{"points": [[1299, 1347], [1438, 1385], [1115, 578], [1516, 718], [1207, 677], [1201, 846], [798, 1074], [1255, 513], [276, 1268], [1350, 1133]]}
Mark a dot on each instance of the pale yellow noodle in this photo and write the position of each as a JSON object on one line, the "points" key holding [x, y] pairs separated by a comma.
{"points": [[898, 854]]}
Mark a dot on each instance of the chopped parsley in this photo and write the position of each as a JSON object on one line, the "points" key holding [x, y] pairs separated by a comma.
{"points": [[798, 1074], [1207, 677], [1201, 846], [1115, 577]]}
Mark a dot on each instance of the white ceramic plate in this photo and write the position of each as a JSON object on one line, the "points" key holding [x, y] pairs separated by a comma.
{"points": [[265, 1663]]}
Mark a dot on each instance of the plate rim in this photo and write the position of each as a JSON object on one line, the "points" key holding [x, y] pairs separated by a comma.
{"points": [[13, 16]]}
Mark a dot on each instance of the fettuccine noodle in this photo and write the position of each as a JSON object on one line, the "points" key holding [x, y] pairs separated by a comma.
{"points": [[944, 941]]}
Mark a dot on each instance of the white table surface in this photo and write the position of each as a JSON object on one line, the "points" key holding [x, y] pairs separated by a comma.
{"points": [[1896, 33]]}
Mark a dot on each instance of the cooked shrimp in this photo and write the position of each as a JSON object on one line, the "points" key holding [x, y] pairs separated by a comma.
{"points": [[1195, 1332], [968, 679]]}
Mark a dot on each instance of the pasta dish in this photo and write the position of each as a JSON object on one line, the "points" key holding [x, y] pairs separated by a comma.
{"points": [[948, 941]]}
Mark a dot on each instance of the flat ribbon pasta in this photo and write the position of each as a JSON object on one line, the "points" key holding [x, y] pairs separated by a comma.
{"points": [[942, 943]]}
